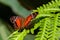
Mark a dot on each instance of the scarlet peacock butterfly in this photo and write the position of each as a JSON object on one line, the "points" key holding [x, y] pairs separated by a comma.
{"points": [[21, 23]]}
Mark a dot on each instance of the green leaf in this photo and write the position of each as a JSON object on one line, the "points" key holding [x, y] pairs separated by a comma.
{"points": [[18, 35]]}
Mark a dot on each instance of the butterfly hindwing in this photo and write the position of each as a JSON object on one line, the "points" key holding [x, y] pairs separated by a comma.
{"points": [[17, 22]]}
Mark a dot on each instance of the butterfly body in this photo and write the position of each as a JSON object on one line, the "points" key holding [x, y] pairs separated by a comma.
{"points": [[20, 22]]}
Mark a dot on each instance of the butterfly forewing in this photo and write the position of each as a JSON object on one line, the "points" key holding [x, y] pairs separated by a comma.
{"points": [[27, 21]]}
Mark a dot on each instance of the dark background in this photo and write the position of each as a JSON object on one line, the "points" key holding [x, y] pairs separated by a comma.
{"points": [[33, 4]]}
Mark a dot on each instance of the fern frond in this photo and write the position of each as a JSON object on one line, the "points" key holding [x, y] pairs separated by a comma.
{"points": [[48, 29], [48, 26], [18, 35], [35, 27], [51, 6]]}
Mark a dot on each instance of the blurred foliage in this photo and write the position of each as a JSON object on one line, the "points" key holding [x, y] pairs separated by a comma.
{"points": [[47, 23], [4, 32], [16, 7]]}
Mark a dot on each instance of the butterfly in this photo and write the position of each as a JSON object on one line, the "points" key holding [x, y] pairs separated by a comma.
{"points": [[20, 22]]}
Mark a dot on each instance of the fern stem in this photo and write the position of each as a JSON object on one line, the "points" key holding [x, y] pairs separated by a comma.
{"points": [[44, 27], [52, 9], [54, 27]]}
